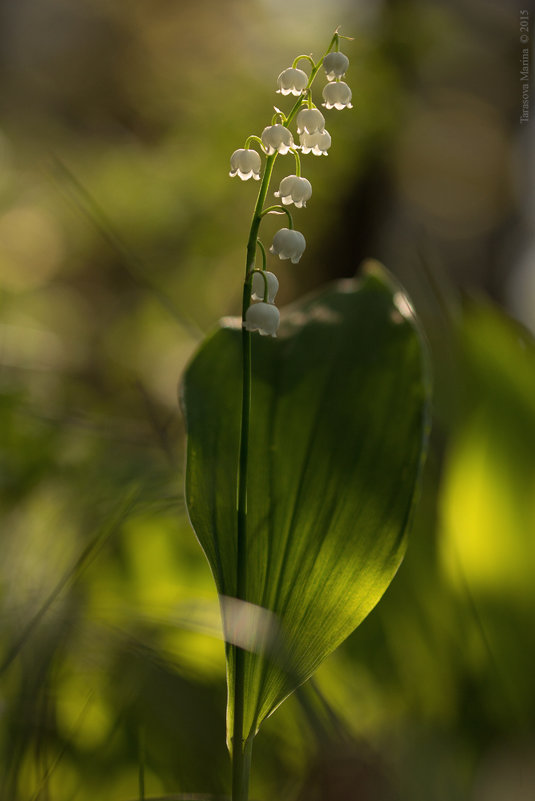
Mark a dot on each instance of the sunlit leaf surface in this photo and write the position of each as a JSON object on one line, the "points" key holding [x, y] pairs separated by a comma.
{"points": [[338, 424]]}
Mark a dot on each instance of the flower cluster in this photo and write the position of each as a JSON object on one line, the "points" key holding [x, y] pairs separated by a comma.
{"points": [[260, 312]]}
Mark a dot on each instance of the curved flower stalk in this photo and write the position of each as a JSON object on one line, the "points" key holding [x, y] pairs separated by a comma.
{"points": [[259, 313]]}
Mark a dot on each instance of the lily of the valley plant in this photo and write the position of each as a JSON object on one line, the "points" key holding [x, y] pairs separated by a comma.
{"points": [[305, 442], [259, 312]]}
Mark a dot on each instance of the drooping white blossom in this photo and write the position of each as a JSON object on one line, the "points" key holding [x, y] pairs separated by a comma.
{"points": [[246, 164], [259, 286], [288, 244], [277, 138], [335, 65], [292, 81], [294, 189], [316, 143], [337, 95], [310, 120], [262, 317]]}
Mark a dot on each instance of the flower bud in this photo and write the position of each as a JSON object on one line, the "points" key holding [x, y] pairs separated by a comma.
{"points": [[335, 65], [277, 138], [246, 164], [310, 120], [292, 81], [262, 317], [288, 244], [294, 189], [337, 95], [259, 286], [317, 143]]}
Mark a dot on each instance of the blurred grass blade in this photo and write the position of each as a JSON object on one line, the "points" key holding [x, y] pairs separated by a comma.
{"points": [[338, 428], [87, 555], [139, 271]]}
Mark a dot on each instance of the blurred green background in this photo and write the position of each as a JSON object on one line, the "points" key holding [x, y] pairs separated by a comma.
{"points": [[121, 244]]}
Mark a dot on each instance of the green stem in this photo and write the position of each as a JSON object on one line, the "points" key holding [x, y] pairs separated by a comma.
{"points": [[278, 118], [279, 210], [266, 285], [241, 751], [297, 162], [254, 138], [242, 771], [263, 252], [301, 58], [141, 757]]}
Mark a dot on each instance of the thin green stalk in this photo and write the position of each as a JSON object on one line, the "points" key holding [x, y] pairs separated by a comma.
{"points": [[241, 752], [279, 210], [141, 757], [242, 749]]}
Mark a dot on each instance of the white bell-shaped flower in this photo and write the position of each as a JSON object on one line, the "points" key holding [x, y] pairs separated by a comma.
{"points": [[310, 120], [335, 65], [288, 244], [246, 164], [292, 81], [337, 95], [294, 189], [259, 286], [316, 143], [262, 317], [277, 138]]}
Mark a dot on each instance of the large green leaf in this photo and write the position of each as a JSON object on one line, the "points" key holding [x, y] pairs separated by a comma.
{"points": [[338, 426]]}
